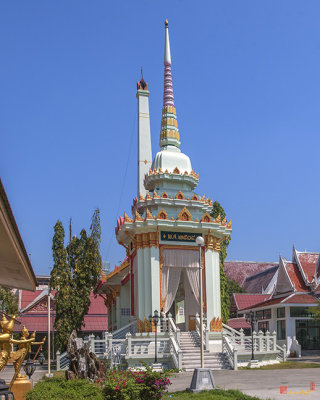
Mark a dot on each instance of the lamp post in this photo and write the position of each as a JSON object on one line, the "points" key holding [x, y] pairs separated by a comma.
{"points": [[5, 393], [251, 319], [155, 318], [41, 358], [200, 242], [29, 367]]}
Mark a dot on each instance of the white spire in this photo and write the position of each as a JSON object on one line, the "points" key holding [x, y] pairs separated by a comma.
{"points": [[167, 54]]}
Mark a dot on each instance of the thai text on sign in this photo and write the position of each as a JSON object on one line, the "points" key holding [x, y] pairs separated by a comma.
{"points": [[179, 236]]}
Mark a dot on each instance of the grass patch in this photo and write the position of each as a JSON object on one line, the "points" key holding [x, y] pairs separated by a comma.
{"points": [[286, 365], [217, 394]]}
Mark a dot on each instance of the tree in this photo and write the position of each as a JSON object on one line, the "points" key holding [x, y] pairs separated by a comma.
{"points": [[75, 274], [217, 209], [233, 287], [8, 302]]}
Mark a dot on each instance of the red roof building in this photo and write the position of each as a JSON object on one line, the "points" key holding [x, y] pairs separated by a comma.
{"points": [[240, 270], [33, 307], [288, 311]]}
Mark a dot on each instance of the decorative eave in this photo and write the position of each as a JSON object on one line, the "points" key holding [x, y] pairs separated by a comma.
{"points": [[126, 231], [176, 176], [205, 205], [117, 272], [295, 257]]}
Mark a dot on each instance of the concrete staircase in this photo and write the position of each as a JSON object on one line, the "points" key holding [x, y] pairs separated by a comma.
{"points": [[190, 346]]}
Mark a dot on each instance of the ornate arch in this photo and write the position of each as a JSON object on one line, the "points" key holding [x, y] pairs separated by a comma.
{"points": [[206, 217], [162, 214], [184, 215], [180, 195]]}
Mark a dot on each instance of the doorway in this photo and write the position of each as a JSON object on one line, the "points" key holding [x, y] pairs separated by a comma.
{"points": [[308, 334]]}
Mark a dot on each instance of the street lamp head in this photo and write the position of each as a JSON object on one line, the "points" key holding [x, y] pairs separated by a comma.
{"points": [[156, 317], [199, 240]]}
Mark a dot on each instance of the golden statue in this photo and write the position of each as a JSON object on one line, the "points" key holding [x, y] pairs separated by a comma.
{"points": [[24, 346]]}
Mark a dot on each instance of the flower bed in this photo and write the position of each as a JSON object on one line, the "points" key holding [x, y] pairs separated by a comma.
{"points": [[131, 385], [118, 385]]}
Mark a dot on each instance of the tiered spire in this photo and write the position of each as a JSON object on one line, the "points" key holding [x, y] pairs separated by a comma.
{"points": [[169, 134]]}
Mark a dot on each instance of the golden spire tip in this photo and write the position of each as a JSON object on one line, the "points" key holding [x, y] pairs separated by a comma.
{"points": [[166, 22]]}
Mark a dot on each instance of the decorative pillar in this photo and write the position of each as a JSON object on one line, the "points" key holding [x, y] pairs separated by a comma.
{"points": [[141, 285], [212, 267], [147, 282], [155, 276]]}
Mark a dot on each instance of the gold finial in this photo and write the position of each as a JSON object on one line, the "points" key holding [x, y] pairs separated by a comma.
{"points": [[166, 22]]}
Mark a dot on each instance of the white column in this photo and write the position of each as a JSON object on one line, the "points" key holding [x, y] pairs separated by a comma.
{"points": [[155, 279], [144, 138], [147, 283], [212, 267], [117, 313], [141, 294]]}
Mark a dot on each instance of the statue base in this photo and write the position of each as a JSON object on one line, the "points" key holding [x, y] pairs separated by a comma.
{"points": [[20, 387]]}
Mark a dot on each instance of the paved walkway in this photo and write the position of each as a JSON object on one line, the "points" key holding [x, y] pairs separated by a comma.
{"points": [[264, 384]]}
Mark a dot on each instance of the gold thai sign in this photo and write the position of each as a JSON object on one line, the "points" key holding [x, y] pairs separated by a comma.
{"points": [[179, 236]]}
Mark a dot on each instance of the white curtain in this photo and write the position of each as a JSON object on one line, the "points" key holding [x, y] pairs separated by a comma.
{"points": [[191, 301], [170, 284], [175, 262], [181, 258]]}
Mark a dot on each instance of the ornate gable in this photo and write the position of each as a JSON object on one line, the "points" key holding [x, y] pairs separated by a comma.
{"points": [[184, 215], [41, 306]]}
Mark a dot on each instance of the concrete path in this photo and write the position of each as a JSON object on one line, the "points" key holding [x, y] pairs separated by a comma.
{"points": [[8, 372], [264, 384]]}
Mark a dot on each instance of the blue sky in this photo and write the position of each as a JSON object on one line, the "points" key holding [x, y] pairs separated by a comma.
{"points": [[246, 84]]}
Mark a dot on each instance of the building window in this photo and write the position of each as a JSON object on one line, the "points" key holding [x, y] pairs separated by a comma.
{"points": [[264, 314], [281, 329], [301, 312], [263, 326], [281, 312], [125, 311]]}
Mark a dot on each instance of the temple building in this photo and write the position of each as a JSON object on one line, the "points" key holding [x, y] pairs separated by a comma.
{"points": [[287, 308], [161, 269]]}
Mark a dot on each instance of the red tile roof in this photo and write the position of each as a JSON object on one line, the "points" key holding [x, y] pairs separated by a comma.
{"points": [[238, 323], [95, 320], [245, 300], [302, 299], [295, 277], [308, 262], [28, 297], [39, 323], [240, 270], [257, 283], [267, 303]]}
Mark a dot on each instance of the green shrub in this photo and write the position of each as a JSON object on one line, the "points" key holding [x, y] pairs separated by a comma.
{"points": [[61, 389], [130, 385]]}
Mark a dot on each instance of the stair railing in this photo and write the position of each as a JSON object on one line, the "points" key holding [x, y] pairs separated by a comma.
{"points": [[230, 352], [204, 330], [132, 327], [175, 351], [172, 327], [63, 361], [174, 337]]}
